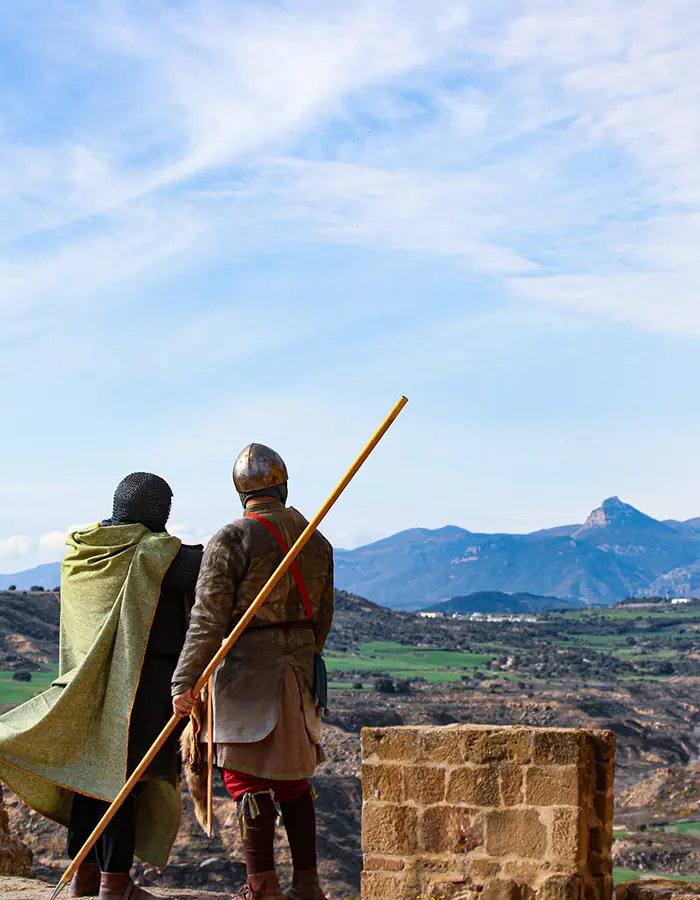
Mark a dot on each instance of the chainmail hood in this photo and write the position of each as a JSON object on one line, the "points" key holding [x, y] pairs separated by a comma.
{"points": [[144, 499]]}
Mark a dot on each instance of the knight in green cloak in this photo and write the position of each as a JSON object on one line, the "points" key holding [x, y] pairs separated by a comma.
{"points": [[125, 596]]}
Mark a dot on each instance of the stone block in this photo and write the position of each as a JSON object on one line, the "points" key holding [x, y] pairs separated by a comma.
{"points": [[375, 862], [559, 747], [553, 786], [489, 745], [605, 887], [448, 866], [475, 786], [450, 829], [515, 831], [604, 806], [599, 864], [382, 781], [439, 889], [604, 774], [500, 889], [522, 871], [424, 784], [393, 744], [561, 887], [511, 779], [441, 745], [389, 829], [568, 836], [604, 744], [390, 886], [482, 867], [597, 838]]}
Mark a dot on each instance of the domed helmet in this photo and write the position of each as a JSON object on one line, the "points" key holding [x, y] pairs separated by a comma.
{"points": [[260, 470], [144, 499]]}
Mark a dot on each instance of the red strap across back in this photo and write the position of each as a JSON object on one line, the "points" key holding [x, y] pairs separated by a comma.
{"points": [[294, 568]]}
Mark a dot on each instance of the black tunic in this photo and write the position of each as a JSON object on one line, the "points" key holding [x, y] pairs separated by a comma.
{"points": [[153, 706]]}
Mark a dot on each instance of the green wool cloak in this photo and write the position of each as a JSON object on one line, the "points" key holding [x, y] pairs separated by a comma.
{"points": [[74, 736]]}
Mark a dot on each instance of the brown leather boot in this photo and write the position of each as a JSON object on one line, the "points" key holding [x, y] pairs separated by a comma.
{"points": [[305, 886], [263, 886], [86, 881], [121, 887]]}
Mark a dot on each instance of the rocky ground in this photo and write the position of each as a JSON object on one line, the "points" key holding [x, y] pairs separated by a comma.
{"points": [[13, 888]]}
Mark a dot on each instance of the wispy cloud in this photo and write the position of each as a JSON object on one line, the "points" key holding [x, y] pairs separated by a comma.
{"points": [[553, 143], [540, 156]]}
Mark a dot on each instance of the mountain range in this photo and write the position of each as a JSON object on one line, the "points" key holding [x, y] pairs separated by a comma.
{"points": [[618, 551]]}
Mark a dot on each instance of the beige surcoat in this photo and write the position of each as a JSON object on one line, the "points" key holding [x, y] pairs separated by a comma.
{"points": [[266, 722]]}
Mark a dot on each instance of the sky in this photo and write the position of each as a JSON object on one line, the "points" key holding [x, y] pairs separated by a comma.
{"points": [[225, 222]]}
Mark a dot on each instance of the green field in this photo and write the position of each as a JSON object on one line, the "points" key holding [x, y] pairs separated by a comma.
{"points": [[679, 828], [622, 875], [436, 666], [18, 691]]}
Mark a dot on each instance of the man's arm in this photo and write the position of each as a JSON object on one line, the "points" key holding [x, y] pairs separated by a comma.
{"points": [[324, 619], [222, 568], [184, 569]]}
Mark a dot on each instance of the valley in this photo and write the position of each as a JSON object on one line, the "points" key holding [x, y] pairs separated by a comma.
{"points": [[632, 670]]}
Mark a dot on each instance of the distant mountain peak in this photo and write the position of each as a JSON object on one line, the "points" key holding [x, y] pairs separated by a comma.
{"points": [[611, 511]]}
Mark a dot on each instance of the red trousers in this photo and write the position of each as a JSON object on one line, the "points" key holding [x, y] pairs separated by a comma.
{"points": [[238, 784]]}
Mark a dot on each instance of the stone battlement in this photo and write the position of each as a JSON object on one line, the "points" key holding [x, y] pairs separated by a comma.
{"points": [[502, 813]]}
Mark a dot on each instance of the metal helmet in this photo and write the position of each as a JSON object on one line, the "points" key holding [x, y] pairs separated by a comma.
{"points": [[258, 467]]}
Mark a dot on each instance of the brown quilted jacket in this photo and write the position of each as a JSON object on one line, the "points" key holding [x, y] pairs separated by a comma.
{"points": [[237, 563]]}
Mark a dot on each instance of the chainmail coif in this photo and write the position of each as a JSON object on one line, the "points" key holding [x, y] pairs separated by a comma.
{"points": [[142, 498]]}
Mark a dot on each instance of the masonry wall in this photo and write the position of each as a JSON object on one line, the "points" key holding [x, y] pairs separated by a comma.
{"points": [[500, 813]]}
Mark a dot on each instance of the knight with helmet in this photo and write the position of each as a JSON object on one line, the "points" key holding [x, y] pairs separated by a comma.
{"points": [[266, 709]]}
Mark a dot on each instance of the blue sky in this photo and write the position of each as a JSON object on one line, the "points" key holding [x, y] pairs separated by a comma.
{"points": [[228, 221]]}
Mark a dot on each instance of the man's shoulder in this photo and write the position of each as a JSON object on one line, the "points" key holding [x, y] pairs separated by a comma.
{"points": [[227, 540], [230, 533], [319, 541]]}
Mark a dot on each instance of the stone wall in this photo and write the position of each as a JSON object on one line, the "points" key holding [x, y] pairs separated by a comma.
{"points": [[15, 858], [502, 813]]}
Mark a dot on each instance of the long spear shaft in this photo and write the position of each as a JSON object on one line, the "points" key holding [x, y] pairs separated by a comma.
{"points": [[229, 642], [210, 761]]}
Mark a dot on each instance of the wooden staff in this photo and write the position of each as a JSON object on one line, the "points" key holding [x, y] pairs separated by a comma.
{"points": [[210, 760], [226, 645]]}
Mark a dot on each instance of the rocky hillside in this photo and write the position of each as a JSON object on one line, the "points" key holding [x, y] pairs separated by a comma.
{"points": [[616, 552], [28, 629], [499, 602]]}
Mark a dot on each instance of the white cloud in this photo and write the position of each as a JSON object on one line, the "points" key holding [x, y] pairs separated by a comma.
{"points": [[52, 544], [17, 545]]}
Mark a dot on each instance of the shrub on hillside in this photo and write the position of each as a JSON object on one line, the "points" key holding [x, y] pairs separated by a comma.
{"points": [[36, 587], [22, 675], [384, 686]]}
